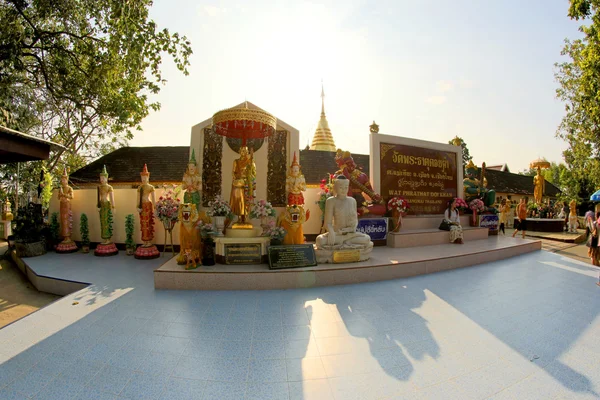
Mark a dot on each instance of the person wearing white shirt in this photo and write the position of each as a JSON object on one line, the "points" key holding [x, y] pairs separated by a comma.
{"points": [[452, 217]]}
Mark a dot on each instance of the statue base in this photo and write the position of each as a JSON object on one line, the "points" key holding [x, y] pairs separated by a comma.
{"points": [[66, 247], [146, 253], [105, 250], [248, 232], [343, 254]]}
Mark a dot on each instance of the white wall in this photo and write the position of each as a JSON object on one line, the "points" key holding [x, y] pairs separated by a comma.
{"points": [[85, 200]]}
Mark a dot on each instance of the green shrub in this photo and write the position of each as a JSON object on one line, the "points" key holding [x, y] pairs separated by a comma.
{"points": [[84, 230]]}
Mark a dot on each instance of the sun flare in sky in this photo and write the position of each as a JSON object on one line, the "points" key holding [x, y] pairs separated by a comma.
{"points": [[427, 70]]}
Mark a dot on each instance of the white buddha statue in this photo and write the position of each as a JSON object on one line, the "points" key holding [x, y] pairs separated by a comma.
{"points": [[341, 222]]}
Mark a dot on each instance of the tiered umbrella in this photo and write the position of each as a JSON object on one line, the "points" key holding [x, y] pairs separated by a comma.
{"points": [[244, 123]]}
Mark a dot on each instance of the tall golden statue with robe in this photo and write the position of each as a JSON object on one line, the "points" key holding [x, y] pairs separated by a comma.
{"points": [[243, 187], [538, 186]]}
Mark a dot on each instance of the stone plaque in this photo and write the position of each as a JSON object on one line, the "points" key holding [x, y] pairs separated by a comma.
{"points": [[346, 256], [292, 256], [426, 178], [243, 253]]}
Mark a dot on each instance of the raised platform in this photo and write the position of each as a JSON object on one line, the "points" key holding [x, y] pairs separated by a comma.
{"points": [[544, 224], [432, 236], [385, 263]]}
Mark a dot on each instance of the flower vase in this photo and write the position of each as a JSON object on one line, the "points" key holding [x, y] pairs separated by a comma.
{"points": [[397, 215], [474, 219], [264, 223], [208, 251], [219, 225]]}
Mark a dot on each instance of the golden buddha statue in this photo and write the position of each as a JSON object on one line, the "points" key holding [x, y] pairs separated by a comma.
{"points": [[145, 207], [106, 207], [295, 184], [65, 195], [243, 187], [6, 212], [538, 184]]}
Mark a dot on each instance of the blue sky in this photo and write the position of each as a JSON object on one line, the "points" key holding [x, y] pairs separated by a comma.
{"points": [[483, 70]]}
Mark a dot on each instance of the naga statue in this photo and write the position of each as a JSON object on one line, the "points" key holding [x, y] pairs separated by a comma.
{"points": [[477, 188], [359, 184]]}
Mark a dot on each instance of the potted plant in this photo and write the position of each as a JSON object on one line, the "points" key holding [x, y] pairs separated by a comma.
{"points": [[84, 230], [461, 206], [476, 206], [54, 232], [276, 233], [262, 210], [219, 210], [129, 230], [29, 224], [398, 206], [208, 244]]}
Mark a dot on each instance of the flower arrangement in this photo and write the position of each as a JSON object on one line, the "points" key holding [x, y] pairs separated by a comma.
{"points": [[324, 194], [398, 203], [167, 208], [262, 208], [275, 232], [477, 205], [461, 204], [219, 208], [206, 229]]}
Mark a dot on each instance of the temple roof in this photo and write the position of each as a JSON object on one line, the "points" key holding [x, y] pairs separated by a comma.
{"points": [[323, 139], [165, 164], [507, 182]]}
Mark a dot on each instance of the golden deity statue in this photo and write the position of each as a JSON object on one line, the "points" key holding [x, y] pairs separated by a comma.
{"points": [[106, 207], [65, 195], [145, 207], [192, 183], [243, 187], [295, 184], [538, 184], [7, 214]]}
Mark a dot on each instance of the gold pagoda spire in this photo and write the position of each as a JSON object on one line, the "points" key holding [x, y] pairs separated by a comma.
{"points": [[323, 140]]}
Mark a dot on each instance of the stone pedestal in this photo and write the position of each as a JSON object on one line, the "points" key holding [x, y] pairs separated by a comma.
{"points": [[241, 250], [66, 246], [104, 250], [343, 254], [146, 253]]}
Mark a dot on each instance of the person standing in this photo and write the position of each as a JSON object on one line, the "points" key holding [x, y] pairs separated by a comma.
{"points": [[594, 251], [504, 210], [521, 217]]}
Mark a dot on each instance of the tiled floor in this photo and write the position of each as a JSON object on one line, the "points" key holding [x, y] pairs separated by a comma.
{"points": [[525, 328]]}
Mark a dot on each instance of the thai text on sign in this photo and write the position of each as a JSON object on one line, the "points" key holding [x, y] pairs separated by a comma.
{"points": [[427, 178]]}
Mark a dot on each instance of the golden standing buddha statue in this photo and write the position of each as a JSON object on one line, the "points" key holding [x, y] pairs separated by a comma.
{"points": [[106, 208], [538, 186], [192, 183], [146, 199], [65, 195], [242, 187]]}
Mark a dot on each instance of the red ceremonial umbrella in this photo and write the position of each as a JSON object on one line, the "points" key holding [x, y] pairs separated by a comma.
{"points": [[244, 123]]}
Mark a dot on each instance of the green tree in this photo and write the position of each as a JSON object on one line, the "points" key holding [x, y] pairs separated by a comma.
{"points": [[579, 85], [80, 72], [466, 156]]}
